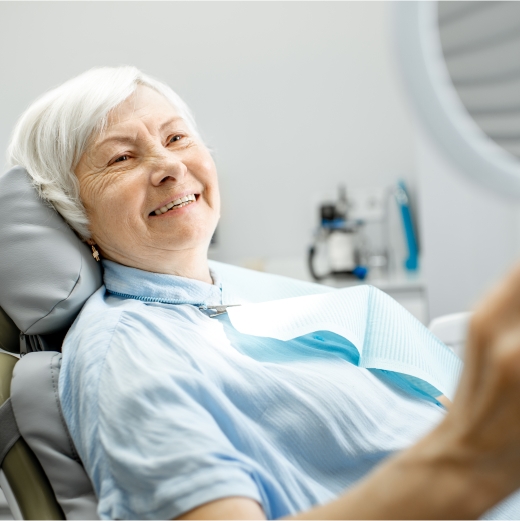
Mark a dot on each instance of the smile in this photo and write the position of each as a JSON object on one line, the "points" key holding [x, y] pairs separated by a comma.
{"points": [[178, 203]]}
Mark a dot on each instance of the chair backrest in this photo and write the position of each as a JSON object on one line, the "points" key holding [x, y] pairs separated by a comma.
{"points": [[46, 272], [46, 275], [42, 426], [25, 481]]}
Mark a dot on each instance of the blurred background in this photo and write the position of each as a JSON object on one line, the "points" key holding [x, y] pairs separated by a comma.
{"points": [[312, 129]]}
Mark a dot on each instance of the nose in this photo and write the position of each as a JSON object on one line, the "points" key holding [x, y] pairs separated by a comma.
{"points": [[167, 166]]}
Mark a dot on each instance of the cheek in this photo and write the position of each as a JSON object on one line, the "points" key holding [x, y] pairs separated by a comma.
{"points": [[123, 204], [216, 189], [114, 203], [217, 201], [211, 178]]}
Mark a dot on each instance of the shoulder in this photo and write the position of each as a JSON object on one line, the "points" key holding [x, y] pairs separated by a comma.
{"points": [[102, 323], [104, 316], [95, 325], [111, 333], [109, 349]]}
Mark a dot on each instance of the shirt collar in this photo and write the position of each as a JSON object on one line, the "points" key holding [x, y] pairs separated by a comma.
{"points": [[158, 287]]}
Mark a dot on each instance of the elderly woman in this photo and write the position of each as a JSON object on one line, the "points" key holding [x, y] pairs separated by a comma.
{"points": [[178, 415]]}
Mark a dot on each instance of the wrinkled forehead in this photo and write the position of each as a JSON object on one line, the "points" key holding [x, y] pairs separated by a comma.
{"points": [[145, 107], [142, 103]]}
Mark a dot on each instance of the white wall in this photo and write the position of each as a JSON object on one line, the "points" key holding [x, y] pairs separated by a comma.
{"points": [[470, 236], [293, 96]]}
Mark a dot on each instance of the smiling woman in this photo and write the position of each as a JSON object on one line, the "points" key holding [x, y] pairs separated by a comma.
{"points": [[50, 145], [149, 186], [175, 413]]}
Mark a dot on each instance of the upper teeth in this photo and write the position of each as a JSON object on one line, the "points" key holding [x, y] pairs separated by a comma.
{"points": [[183, 201]]}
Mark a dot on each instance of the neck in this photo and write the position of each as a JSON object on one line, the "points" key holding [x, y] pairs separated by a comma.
{"points": [[192, 264]]}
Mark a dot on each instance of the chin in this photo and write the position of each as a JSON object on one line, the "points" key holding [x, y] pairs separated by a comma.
{"points": [[193, 242]]}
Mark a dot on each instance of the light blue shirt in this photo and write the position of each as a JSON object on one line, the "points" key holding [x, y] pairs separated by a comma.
{"points": [[170, 409]]}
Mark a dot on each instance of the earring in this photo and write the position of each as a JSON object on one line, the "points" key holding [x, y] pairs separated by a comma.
{"points": [[95, 253]]}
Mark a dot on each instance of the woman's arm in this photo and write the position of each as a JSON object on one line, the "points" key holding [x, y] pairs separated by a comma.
{"points": [[468, 463], [227, 508], [420, 483]]}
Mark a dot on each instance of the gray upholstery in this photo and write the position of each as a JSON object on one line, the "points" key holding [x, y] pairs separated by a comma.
{"points": [[46, 275], [34, 396], [46, 272]]}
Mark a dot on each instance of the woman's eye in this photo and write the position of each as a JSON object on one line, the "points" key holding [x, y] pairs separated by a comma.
{"points": [[177, 137], [122, 158]]}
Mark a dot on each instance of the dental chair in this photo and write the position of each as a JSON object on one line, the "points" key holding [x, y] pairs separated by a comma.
{"points": [[46, 275], [452, 330]]}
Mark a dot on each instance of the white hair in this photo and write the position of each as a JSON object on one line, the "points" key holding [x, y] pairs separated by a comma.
{"points": [[52, 134]]}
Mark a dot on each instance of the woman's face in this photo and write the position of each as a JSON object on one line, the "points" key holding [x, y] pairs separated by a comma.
{"points": [[149, 185]]}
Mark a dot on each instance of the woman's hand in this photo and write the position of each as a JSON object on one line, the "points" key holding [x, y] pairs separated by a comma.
{"points": [[484, 420]]}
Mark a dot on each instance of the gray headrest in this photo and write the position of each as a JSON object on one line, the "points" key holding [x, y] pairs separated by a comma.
{"points": [[46, 272]]}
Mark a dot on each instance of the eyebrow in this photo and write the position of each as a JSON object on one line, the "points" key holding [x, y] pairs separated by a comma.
{"points": [[117, 139], [170, 121]]}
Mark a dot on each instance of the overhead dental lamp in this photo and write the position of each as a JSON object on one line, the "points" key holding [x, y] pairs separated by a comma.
{"points": [[461, 66]]}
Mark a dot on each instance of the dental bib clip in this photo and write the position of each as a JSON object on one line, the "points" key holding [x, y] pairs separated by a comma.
{"points": [[218, 310]]}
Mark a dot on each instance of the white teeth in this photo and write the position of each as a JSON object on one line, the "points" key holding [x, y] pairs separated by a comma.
{"points": [[178, 203]]}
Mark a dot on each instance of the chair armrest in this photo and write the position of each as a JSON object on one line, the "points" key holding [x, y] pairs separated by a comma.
{"points": [[452, 330]]}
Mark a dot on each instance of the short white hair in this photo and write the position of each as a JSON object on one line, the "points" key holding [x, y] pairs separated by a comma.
{"points": [[52, 134]]}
